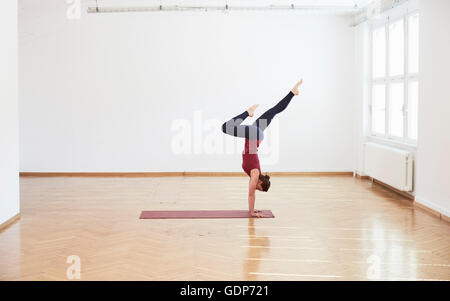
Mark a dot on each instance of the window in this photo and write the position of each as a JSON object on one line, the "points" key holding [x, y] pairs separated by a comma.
{"points": [[379, 53], [396, 110], [396, 48], [395, 81], [413, 43], [413, 98], [378, 108]]}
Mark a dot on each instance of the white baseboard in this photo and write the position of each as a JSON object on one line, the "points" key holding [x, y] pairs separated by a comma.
{"points": [[6, 223], [433, 206], [359, 172]]}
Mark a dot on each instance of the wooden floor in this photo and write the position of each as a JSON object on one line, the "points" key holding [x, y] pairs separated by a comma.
{"points": [[326, 228]]}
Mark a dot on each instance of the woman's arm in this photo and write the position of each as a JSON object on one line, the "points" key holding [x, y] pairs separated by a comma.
{"points": [[254, 177]]}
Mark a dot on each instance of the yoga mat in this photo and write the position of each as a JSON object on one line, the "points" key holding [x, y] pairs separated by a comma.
{"points": [[201, 214]]}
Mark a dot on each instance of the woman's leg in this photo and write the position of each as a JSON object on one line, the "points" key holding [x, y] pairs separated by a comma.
{"points": [[266, 118], [235, 128]]}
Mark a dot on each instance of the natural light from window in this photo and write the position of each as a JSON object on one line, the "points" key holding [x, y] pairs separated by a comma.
{"points": [[413, 44], [413, 101], [395, 79], [397, 101], [379, 53], [378, 108], [396, 48]]}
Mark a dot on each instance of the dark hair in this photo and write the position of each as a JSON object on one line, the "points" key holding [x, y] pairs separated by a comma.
{"points": [[265, 179]]}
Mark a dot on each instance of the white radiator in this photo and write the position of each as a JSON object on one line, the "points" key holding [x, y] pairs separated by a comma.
{"points": [[389, 165]]}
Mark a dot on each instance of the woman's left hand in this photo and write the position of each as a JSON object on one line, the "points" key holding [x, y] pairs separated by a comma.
{"points": [[258, 215]]}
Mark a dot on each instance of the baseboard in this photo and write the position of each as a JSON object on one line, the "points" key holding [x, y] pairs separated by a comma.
{"points": [[9, 222], [358, 175], [402, 193], [178, 174], [418, 202], [432, 209], [445, 218]]}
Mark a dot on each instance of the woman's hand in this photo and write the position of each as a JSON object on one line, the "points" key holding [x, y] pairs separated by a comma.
{"points": [[257, 214]]}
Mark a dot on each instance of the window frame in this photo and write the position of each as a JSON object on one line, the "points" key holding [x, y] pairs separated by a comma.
{"points": [[406, 78]]}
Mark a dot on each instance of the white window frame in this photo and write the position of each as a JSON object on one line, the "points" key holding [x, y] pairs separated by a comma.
{"points": [[388, 80]]}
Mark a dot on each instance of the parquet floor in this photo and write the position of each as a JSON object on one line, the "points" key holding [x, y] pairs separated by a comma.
{"points": [[326, 228]]}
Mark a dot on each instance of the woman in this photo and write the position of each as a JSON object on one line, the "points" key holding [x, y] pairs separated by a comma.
{"points": [[253, 135]]}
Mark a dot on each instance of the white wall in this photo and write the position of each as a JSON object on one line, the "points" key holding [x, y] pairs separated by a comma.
{"points": [[9, 133], [100, 93], [433, 164]]}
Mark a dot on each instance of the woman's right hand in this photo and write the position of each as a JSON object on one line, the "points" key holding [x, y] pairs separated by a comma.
{"points": [[257, 214]]}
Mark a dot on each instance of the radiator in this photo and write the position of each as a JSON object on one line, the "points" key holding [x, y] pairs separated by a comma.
{"points": [[389, 165]]}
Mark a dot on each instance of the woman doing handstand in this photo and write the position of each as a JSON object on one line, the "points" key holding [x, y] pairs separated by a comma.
{"points": [[253, 135]]}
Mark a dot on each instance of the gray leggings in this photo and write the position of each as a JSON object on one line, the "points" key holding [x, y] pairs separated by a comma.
{"points": [[255, 131]]}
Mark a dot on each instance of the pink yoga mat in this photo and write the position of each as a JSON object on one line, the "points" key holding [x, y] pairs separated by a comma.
{"points": [[201, 214]]}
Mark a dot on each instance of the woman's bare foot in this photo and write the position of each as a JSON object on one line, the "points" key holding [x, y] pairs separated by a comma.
{"points": [[251, 110], [295, 89]]}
